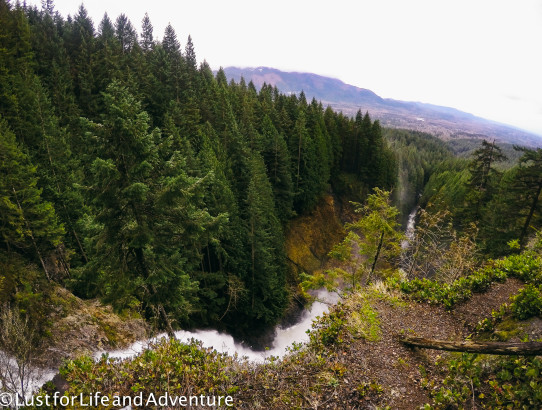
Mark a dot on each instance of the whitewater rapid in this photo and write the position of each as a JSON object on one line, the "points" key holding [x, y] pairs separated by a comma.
{"points": [[225, 343]]}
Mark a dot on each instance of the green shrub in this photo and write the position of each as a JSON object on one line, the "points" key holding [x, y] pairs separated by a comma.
{"points": [[507, 382], [167, 366], [328, 328], [526, 267], [527, 303]]}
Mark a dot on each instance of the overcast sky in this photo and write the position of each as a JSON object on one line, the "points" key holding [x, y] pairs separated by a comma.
{"points": [[480, 56]]}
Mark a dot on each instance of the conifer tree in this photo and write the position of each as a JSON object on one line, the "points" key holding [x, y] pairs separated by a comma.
{"points": [[482, 176], [106, 57], [234, 150], [81, 49], [106, 30], [147, 39], [58, 170], [318, 132], [158, 90], [376, 234], [224, 258], [502, 219], [528, 185], [125, 33], [174, 63], [266, 282], [277, 160], [51, 61], [332, 127], [170, 42], [28, 223], [150, 212], [305, 165], [366, 149], [481, 167], [190, 79], [247, 121], [208, 95], [221, 77], [190, 56], [266, 103], [16, 73]]}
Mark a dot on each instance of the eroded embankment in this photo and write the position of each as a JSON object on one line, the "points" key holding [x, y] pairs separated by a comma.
{"points": [[310, 237]]}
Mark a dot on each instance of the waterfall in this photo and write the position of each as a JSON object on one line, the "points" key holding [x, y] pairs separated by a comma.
{"points": [[223, 342], [410, 228]]}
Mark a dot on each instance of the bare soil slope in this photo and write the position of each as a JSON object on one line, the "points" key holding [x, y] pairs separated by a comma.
{"points": [[370, 369]]}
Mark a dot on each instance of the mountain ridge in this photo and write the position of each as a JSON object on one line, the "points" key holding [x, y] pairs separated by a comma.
{"points": [[441, 121]]}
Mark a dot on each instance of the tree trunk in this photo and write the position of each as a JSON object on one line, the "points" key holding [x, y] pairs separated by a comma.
{"points": [[159, 306], [299, 160], [32, 236], [529, 217], [501, 348], [165, 319], [376, 258]]}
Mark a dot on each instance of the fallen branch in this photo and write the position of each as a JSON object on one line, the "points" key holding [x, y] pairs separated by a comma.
{"points": [[503, 348]]}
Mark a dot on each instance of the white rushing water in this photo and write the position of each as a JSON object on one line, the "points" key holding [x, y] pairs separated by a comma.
{"points": [[22, 379], [225, 343], [410, 228], [222, 342]]}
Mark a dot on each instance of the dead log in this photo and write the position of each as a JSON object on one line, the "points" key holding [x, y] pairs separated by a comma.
{"points": [[502, 348]]}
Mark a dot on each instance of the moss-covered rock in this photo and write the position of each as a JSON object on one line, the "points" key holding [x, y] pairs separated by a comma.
{"points": [[85, 327]]}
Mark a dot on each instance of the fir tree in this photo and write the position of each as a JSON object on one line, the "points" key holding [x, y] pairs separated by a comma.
{"points": [[482, 176], [376, 234], [277, 160], [528, 185], [81, 50], [173, 63], [28, 223], [126, 34], [267, 272], [147, 39], [106, 56], [149, 211]]}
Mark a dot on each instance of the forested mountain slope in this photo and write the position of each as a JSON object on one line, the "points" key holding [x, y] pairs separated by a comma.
{"points": [[134, 175], [444, 122]]}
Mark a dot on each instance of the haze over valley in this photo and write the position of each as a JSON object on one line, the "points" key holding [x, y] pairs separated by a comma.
{"points": [[444, 122]]}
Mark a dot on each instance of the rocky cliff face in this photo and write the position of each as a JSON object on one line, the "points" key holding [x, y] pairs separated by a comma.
{"points": [[86, 327], [310, 237]]}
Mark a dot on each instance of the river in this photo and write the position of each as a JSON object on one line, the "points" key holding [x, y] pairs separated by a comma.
{"points": [[225, 343], [284, 337], [410, 228]]}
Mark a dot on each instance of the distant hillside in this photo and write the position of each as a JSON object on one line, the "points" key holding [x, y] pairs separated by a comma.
{"points": [[444, 122]]}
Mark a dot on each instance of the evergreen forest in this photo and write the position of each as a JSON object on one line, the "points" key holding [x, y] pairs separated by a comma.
{"points": [[132, 174]]}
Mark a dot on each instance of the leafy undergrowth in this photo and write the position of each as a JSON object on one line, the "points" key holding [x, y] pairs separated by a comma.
{"points": [[526, 267], [311, 375], [476, 380], [166, 366], [353, 358], [472, 381]]}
